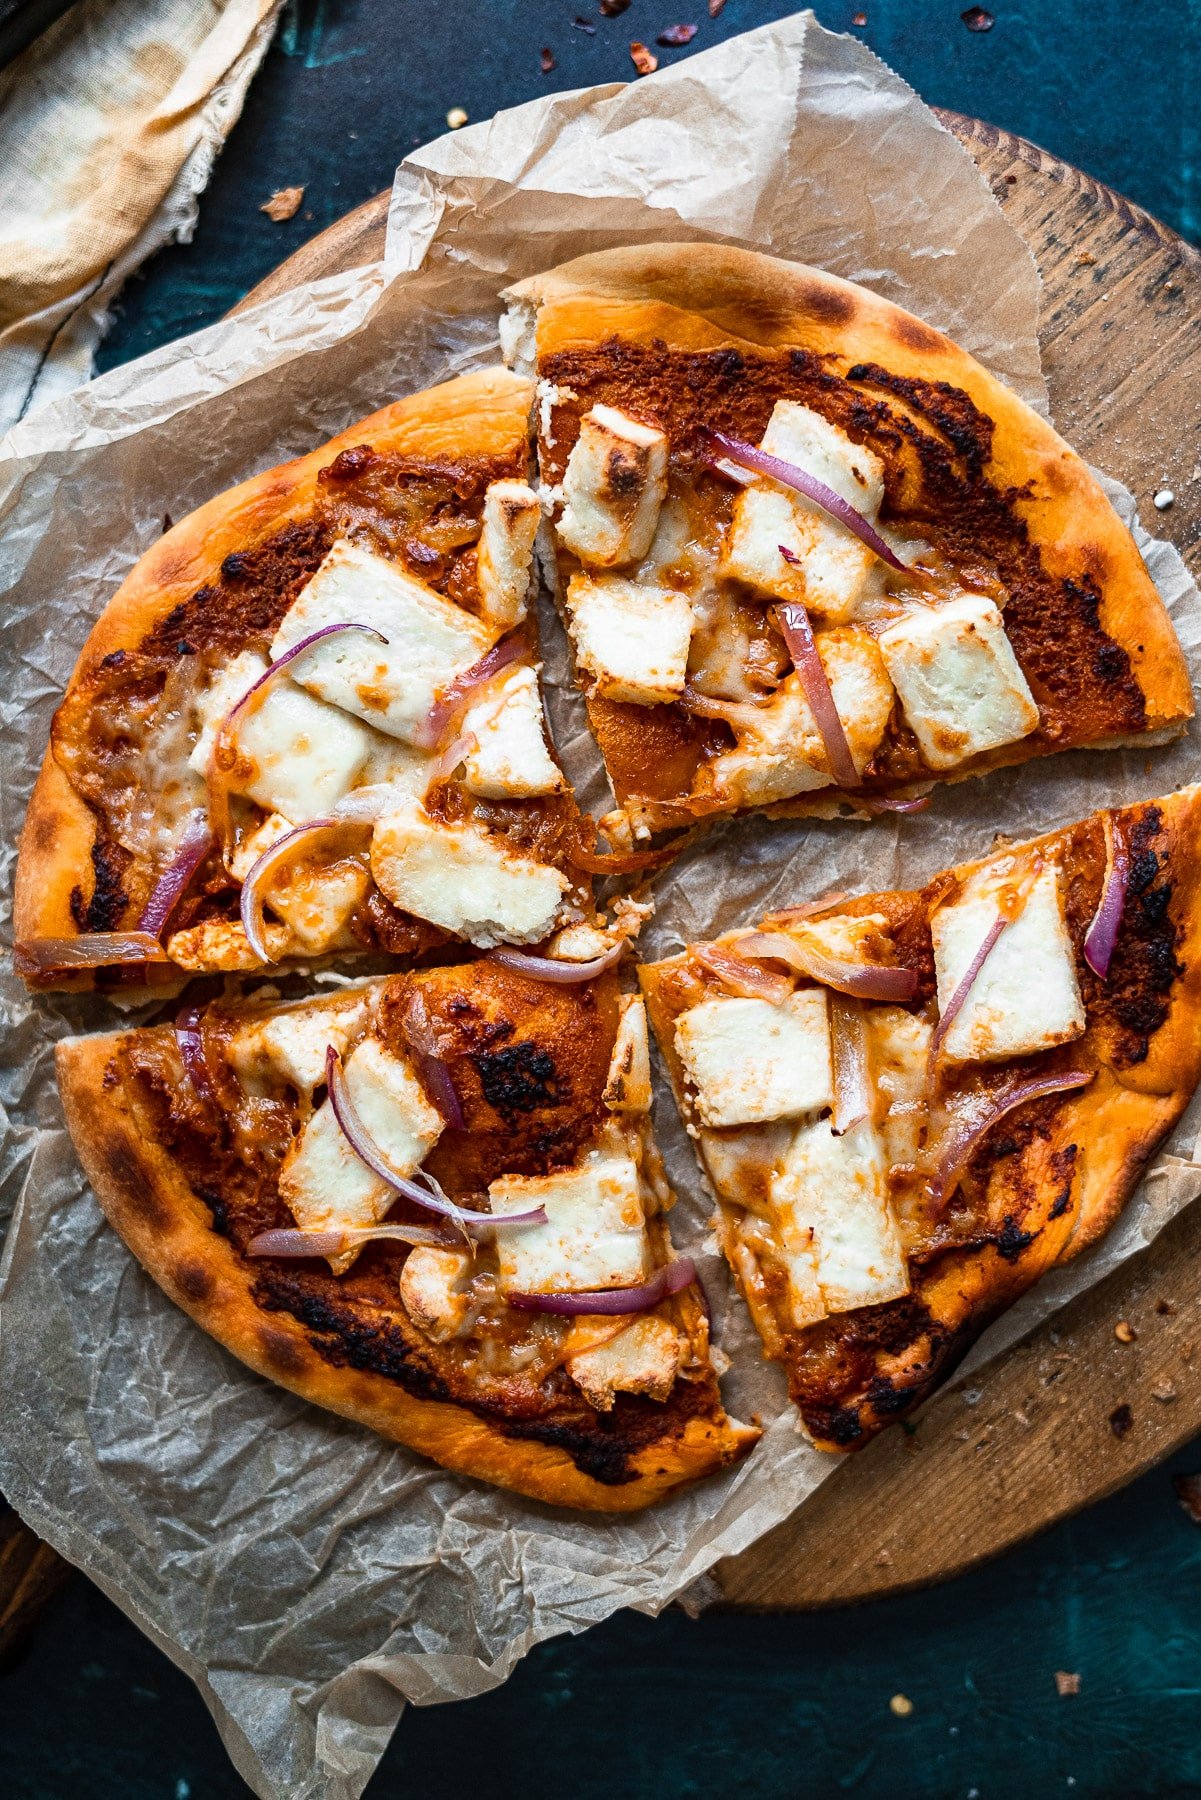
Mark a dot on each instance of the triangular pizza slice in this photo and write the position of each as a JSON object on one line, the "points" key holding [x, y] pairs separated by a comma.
{"points": [[430, 1202], [911, 1105], [810, 553]]}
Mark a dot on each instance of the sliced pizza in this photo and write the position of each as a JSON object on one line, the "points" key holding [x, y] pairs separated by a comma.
{"points": [[430, 1202], [911, 1105], [309, 722], [812, 555]]}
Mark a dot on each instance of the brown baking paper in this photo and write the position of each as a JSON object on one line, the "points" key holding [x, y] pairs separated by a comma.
{"points": [[309, 1576]]}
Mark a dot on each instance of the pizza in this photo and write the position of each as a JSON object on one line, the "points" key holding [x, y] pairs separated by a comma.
{"points": [[810, 554], [309, 722], [911, 1105], [431, 1202]]}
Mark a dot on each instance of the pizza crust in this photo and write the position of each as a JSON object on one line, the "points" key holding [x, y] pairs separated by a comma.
{"points": [[170, 1230], [485, 414]]}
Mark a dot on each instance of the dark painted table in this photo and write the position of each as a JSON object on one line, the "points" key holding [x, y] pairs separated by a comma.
{"points": [[759, 1707]]}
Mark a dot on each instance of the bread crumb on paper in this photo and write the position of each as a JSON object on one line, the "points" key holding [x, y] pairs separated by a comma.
{"points": [[1066, 1683], [283, 204], [1124, 1332]]}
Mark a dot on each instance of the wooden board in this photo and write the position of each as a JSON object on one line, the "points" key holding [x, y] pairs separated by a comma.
{"points": [[989, 1465]]}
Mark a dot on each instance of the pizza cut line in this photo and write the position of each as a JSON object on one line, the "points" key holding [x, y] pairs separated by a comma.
{"points": [[911, 1105]]}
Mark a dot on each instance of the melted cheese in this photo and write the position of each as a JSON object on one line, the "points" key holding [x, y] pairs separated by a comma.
{"points": [[225, 689], [505, 553], [595, 1231], [750, 1061], [960, 685], [296, 755], [829, 1204], [630, 639], [510, 759], [899, 1044], [642, 1359], [628, 1084], [431, 1290], [1026, 997], [392, 685], [463, 879], [613, 487]]}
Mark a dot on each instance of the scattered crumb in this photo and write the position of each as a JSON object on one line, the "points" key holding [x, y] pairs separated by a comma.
{"points": [[456, 118], [1120, 1420], [1066, 1684], [1163, 1391], [715, 7], [859, 19], [901, 1705], [673, 35], [546, 59], [644, 60], [976, 18], [1188, 1492], [1086, 259], [884, 1559], [1124, 1332], [283, 204], [168, 522], [611, 8], [1166, 1309], [1164, 499], [1021, 1417]]}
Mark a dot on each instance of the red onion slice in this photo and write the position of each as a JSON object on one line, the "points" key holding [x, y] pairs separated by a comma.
{"points": [[451, 757], [250, 904], [287, 1241], [368, 1151], [554, 968], [790, 476], [741, 977], [792, 915], [454, 697], [612, 1301], [190, 1038], [1102, 934], [852, 1080], [34, 957], [867, 981], [442, 1091], [194, 845], [798, 635], [969, 1128]]}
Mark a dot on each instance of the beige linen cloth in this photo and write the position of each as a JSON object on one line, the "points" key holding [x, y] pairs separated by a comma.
{"points": [[109, 127]]}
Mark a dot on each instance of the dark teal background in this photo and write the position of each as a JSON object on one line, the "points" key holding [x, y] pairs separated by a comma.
{"points": [[762, 1708]]}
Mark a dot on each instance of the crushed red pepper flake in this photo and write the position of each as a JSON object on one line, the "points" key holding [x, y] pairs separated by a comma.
{"points": [[283, 204], [1121, 1419], [977, 18], [546, 58], [1066, 1683], [611, 8], [1166, 1309], [1188, 1493], [859, 19], [671, 35], [644, 60]]}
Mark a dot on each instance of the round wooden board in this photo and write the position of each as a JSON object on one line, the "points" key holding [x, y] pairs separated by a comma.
{"points": [[989, 1464]]}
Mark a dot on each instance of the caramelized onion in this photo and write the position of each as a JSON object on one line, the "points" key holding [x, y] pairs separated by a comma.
{"points": [[622, 862], [33, 957], [194, 845], [288, 1241], [801, 482], [557, 969], [190, 1038], [1107, 920], [611, 1301], [425, 1193], [980, 1112], [852, 1080], [744, 978], [798, 635], [792, 915], [454, 697], [867, 981], [431, 1066]]}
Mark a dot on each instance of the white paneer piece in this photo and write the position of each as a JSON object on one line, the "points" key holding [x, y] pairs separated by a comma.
{"points": [[613, 486], [1026, 997], [392, 685], [751, 1061], [315, 899], [899, 1046], [779, 752], [960, 685], [642, 1359], [431, 1290], [296, 755], [463, 879], [220, 945], [595, 1231], [505, 553], [510, 759], [324, 1182], [834, 568], [219, 698], [631, 638], [830, 1210], [628, 1084], [288, 1044]]}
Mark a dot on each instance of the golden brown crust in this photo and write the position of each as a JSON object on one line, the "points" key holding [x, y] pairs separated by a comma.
{"points": [[170, 1230], [1077, 1174], [485, 414]]}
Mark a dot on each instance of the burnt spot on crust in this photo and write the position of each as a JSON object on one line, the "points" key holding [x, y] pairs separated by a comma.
{"points": [[830, 305], [916, 335], [281, 1350], [129, 1175], [193, 1279], [348, 465], [103, 909], [244, 606], [1012, 1240], [1063, 1170], [517, 1078]]}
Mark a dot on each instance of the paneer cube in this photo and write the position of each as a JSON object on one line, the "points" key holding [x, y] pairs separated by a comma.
{"points": [[750, 1061], [288, 1044], [221, 945], [505, 553], [642, 1359], [960, 685], [840, 1242], [463, 879], [613, 487], [595, 1231], [431, 1289], [631, 639], [296, 755], [1026, 997], [510, 759], [391, 685], [628, 1084], [833, 568]]}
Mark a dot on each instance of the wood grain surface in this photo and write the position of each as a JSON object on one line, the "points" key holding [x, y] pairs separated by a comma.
{"points": [[1045, 1431]]}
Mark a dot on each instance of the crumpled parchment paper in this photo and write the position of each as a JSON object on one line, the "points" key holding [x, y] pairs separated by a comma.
{"points": [[308, 1576]]}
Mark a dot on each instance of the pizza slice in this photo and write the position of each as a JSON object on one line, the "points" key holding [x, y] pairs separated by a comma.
{"points": [[430, 1202], [910, 1105], [811, 554], [309, 722]]}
